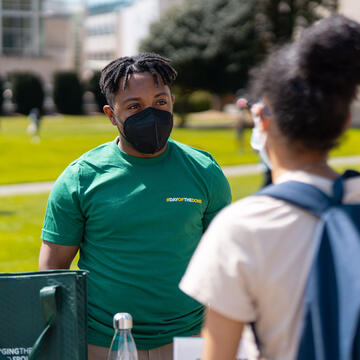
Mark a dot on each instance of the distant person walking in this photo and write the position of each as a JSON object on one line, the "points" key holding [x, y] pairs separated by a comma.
{"points": [[245, 112], [253, 262], [241, 122], [34, 126]]}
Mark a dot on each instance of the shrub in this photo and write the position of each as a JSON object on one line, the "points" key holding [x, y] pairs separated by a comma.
{"points": [[28, 92], [94, 87], [200, 101], [189, 102], [68, 93], [1, 94]]}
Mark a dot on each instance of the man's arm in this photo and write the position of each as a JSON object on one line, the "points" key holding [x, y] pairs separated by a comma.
{"points": [[54, 256], [221, 336]]}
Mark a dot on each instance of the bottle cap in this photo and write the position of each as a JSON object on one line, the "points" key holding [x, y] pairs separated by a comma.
{"points": [[123, 321]]}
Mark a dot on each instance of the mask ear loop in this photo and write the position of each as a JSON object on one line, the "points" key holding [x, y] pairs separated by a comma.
{"points": [[122, 123], [116, 117]]}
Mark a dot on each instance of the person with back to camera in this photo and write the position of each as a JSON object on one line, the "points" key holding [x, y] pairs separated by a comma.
{"points": [[253, 262], [136, 208]]}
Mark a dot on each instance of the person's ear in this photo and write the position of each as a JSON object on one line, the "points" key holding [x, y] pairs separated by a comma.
{"points": [[110, 114], [265, 118], [173, 98], [265, 123]]}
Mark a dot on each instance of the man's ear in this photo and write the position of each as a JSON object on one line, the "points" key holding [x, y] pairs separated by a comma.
{"points": [[173, 98], [109, 112]]}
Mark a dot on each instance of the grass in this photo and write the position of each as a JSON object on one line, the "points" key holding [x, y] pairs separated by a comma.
{"points": [[65, 138], [21, 219], [20, 225]]}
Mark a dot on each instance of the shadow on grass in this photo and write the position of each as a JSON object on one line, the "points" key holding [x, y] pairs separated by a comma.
{"points": [[6, 213]]}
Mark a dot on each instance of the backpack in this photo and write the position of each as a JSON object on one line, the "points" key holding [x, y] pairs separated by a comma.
{"points": [[331, 323]]}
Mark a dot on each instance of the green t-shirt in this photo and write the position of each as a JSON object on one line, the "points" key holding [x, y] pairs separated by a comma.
{"points": [[138, 222]]}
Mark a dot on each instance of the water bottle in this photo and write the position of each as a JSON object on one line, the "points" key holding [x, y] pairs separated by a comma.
{"points": [[123, 345]]}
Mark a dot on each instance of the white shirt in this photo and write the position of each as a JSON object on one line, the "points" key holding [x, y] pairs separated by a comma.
{"points": [[253, 262]]}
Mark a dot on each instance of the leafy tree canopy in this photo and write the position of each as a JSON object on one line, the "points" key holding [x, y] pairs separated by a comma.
{"points": [[214, 43], [94, 87]]}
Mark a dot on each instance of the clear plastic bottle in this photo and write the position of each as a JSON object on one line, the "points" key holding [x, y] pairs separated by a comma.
{"points": [[123, 345]]}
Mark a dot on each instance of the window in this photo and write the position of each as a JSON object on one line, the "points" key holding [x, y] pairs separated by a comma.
{"points": [[108, 56], [16, 4], [105, 29], [17, 35]]}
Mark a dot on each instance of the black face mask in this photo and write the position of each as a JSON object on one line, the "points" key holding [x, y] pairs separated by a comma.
{"points": [[148, 130]]}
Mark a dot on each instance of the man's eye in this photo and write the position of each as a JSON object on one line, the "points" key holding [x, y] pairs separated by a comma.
{"points": [[133, 106], [162, 102]]}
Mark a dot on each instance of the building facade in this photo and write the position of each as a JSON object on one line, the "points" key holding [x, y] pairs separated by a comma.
{"points": [[39, 38], [20, 27], [116, 29]]}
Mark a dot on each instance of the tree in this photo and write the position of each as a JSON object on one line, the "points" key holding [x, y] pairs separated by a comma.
{"points": [[68, 93], [203, 40], [1, 94], [281, 20], [28, 92], [214, 43], [94, 87]]}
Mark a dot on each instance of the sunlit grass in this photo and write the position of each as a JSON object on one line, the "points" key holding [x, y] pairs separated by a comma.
{"points": [[65, 138], [21, 219]]}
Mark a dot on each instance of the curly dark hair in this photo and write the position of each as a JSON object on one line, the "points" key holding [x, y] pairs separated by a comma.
{"points": [[311, 83], [124, 66]]}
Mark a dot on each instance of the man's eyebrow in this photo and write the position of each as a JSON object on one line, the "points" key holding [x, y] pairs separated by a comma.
{"points": [[161, 94], [131, 99], [139, 98]]}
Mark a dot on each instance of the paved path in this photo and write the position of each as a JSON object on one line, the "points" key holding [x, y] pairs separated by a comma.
{"points": [[236, 170]]}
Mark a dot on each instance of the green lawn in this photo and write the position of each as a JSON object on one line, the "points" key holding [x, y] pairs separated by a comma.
{"points": [[64, 139], [20, 225], [21, 219]]}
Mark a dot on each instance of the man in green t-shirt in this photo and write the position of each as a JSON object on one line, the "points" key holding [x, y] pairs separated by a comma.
{"points": [[135, 208]]}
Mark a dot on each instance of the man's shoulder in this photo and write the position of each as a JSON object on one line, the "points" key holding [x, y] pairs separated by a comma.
{"points": [[201, 157], [97, 156], [90, 161], [93, 154]]}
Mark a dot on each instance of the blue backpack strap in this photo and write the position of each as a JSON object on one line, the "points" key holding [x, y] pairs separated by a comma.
{"points": [[306, 196], [302, 195], [332, 324], [338, 188]]}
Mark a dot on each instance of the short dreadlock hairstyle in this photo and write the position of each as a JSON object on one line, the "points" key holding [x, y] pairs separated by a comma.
{"points": [[125, 66]]}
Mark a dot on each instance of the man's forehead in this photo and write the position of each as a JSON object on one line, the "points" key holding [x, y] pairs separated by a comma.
{"points": [[140, 86], [141, 77]]}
